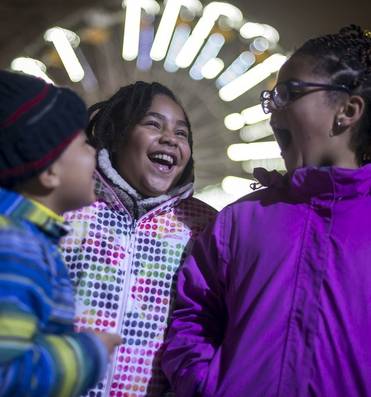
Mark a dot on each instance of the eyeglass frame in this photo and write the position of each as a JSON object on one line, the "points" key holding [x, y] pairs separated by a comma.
{"points": [[298, 84]]}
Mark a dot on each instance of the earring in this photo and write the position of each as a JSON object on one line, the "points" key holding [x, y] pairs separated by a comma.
{"points": [[337, 128]]}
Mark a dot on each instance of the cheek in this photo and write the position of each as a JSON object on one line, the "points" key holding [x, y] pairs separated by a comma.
{"points": [[186, 150]]}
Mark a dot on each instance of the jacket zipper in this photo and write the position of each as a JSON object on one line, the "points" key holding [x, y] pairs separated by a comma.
{"points": [[122, 308]]}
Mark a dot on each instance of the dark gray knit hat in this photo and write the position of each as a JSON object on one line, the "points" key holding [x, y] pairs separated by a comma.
{"points": [[37, 122]]}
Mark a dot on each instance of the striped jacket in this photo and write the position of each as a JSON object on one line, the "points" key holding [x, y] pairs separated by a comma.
{"points": [[40, 354], [124, 271]]}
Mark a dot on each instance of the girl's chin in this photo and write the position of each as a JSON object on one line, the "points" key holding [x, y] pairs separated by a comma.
{"points": [[155, 191]]}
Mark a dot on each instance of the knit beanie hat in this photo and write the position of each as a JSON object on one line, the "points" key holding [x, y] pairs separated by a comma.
{"points": [[37, 122]]}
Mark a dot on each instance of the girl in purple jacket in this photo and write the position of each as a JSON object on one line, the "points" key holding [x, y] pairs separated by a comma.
{"points": [[275, 299]]}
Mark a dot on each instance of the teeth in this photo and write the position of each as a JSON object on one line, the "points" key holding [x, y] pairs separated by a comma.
{"points": [[164, 157]]}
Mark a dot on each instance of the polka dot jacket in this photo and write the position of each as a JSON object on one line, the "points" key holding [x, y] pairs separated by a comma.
{"points": [[124, 273]]}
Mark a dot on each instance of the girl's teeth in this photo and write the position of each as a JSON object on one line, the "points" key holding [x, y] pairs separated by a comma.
{"points": [[164, 157]]}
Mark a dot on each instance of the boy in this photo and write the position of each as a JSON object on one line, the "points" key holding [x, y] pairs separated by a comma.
{"points": [[46, 168]]}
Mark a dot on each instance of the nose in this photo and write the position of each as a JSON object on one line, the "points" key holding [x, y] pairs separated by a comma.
{"points": [[168, 137]]}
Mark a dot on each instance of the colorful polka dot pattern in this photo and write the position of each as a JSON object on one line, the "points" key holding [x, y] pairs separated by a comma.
{"points": [[124, 279]]}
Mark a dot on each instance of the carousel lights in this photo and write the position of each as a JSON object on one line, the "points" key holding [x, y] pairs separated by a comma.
{"points": [[167, 24], [144, 61], [212, 68], [215, 196], [180, 36], [254, 114], [239, 66], [237, 186], [251, 29], [234, 121], [60, 39], [251, 115], [183, 46], [254, 132], [130, 47], [209, 51], [32, 67], [259, 45], [151, 7], [253, 151], [203, 28], [252, 77]]}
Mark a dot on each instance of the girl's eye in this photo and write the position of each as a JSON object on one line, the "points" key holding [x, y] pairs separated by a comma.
{"points": [[182, 133], [153, 123]]}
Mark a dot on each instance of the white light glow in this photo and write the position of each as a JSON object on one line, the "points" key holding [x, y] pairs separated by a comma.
{"points": [[252, 77], [253, 151], [151, 7], [254, 114], [256, 131], [212, 68], [199, 34], [167, 25], [239, 66], [134, 8], [234, 121], [31, 66], [250, 30], [65, 51], [180, 36], [210, 50], [269, 164], [260, 44], [144, 61], [237, 186], [215, 196]]}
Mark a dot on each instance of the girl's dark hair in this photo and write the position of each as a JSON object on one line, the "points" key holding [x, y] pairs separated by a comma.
{"points": [[112, 120], [345, 57]]}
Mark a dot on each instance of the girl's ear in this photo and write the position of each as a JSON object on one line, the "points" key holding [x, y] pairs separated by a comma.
{"points": [[351, 111], [50, 178]]}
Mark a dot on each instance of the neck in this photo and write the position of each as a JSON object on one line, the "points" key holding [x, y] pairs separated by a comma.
{"points": [[47, 201], [345, 159], [48, 197]]}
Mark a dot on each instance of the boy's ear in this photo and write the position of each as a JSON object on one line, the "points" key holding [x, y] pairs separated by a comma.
{"points": [[50, 178], [351, 111]]}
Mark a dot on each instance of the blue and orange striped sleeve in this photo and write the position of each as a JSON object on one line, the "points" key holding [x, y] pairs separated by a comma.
{"points": [[40, 354]]}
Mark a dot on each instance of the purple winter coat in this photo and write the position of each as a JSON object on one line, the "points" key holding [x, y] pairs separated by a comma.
{"points": [[275, 299]]}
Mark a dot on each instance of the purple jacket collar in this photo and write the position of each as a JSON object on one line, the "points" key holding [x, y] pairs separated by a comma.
{"points": [[309, 182]]}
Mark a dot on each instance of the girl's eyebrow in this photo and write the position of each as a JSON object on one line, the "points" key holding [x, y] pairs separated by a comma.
{"points": [[163, 118]]}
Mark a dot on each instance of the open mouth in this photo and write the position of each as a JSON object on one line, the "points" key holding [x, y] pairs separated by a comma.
{"points": [[165, 161], [283, 137]]}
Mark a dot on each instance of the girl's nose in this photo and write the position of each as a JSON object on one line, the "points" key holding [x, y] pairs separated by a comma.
{"points": [[168, 137]]}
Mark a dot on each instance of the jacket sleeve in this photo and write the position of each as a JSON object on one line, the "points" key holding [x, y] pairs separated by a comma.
{"points": [[198, 320], [32, 362]]}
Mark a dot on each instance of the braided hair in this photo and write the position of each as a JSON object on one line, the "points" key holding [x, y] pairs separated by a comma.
{"points": [[111, 121], [345, 57]]}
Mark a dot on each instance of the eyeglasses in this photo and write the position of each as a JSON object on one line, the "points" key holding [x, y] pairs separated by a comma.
{"points": [[287, 91]]}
